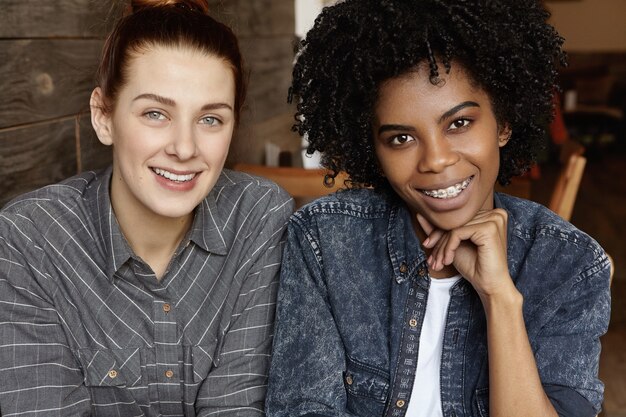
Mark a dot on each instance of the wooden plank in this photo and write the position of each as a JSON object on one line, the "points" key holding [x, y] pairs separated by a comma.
{"points": [[45, 79], [57, 18], [34, 156], [92, 155], [269, 62], [256, 18]]}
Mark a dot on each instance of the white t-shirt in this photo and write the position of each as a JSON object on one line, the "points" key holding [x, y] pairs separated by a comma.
{"points": [[426, 396]]}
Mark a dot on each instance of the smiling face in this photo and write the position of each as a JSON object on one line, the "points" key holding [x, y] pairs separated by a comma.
{"points": [[438, 145], [170, 128]]}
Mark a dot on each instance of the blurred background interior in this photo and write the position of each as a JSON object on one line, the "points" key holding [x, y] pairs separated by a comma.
{"points": [[49, 50]]}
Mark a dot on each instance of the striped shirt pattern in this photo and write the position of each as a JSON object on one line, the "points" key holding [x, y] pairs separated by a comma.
{"points": [[87, 330]]}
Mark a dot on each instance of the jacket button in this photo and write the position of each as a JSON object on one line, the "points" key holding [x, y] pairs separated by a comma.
{"points": [[400, 403], [403, 268], [421, 272], [349, 380], [112, 374]]}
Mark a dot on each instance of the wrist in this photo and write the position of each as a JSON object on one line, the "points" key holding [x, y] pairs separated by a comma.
{"points": [[507, 298]]}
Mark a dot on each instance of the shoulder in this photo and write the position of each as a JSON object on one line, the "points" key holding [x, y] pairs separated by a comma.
{"points": [[534, 221], [550, 241], [343, 212], [41, 207], [359, 203], [250, 188], [241, 198]]}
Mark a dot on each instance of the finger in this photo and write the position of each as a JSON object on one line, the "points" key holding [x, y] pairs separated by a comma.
{"points": [[432, 235], [438, 252]]}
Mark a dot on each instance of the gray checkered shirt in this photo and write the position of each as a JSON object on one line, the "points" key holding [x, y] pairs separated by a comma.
{"points": [[87, 330]]}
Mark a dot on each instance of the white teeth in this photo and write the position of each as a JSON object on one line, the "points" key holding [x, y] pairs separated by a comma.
{"points": [[450, 192], [173, 177]]}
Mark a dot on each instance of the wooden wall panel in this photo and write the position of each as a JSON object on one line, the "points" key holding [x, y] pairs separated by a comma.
{"points": [[92, 155], [269, 61], [54, 18], [34, 156], [256, 18], [45, 79]]}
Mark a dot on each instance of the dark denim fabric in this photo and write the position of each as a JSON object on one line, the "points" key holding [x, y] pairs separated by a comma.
{"points": [[354, 285]]}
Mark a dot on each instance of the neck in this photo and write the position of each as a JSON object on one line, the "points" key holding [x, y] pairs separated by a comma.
{"points": [[152, 237]]}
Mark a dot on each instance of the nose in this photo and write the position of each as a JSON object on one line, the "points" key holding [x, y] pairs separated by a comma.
{"points": [[436, 155], [183, 143]]}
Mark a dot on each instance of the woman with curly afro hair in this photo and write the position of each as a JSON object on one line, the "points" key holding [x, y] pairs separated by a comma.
{"points": [[419, 291]]}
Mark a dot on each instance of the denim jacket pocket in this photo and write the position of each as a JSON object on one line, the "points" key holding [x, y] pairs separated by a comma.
{"points": [[482, 402], [367, 388], [111, 367]]}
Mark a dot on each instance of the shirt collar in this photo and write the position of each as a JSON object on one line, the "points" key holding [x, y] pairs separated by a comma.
{"points": [[109, 236], [511, 220], [209, 224], [207, 230]]}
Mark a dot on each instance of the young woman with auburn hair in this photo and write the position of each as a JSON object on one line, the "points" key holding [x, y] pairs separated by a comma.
{"points": [[147, 288]]}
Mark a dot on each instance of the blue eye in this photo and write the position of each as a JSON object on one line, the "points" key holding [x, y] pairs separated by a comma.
{"points": [[459, 123], [209, 120], [154, 115], [400, 139]]}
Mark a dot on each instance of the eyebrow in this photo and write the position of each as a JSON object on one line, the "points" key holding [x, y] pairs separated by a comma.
{"points": [[169, 102], [447, 114], [457, 108]]}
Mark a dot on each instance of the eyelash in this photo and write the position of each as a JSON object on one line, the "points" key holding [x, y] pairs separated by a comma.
{"points": [[408, 138], [465, 120], [149, 114], [160, 116], [394, 139], [216, 121]]}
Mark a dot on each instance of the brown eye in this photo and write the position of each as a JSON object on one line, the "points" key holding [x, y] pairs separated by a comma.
{"points": [[400, 139], [459, 123]]}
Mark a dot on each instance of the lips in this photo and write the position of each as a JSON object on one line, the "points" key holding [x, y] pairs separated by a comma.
{"points": [[448, 192], [181, 178]]}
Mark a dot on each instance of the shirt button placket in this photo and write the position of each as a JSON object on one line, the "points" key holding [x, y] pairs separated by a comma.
{"points": [[165, 338]]}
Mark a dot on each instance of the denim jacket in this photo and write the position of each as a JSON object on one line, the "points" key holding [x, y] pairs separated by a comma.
{"points": [[353, 291]]}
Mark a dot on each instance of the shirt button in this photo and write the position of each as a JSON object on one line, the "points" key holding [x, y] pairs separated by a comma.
{"points": [[412, 322], [403, 268], [400, 403], [349, 380], [167, 307], [112, 374], [169, 373]]}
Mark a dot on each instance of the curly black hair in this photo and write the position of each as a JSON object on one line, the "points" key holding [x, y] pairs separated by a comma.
{"points": [[505, 46]]}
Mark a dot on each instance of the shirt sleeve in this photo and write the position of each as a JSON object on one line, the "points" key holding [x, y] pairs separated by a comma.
{"points": [[237, 385], [39, 375], [568, 345], [306, 374]]}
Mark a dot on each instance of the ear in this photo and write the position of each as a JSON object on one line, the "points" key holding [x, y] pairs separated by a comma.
{"points": [[504, 135], [100, 119]]}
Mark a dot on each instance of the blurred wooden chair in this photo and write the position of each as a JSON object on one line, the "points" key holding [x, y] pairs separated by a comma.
{"points": [[302, 184], [566, 188]]}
